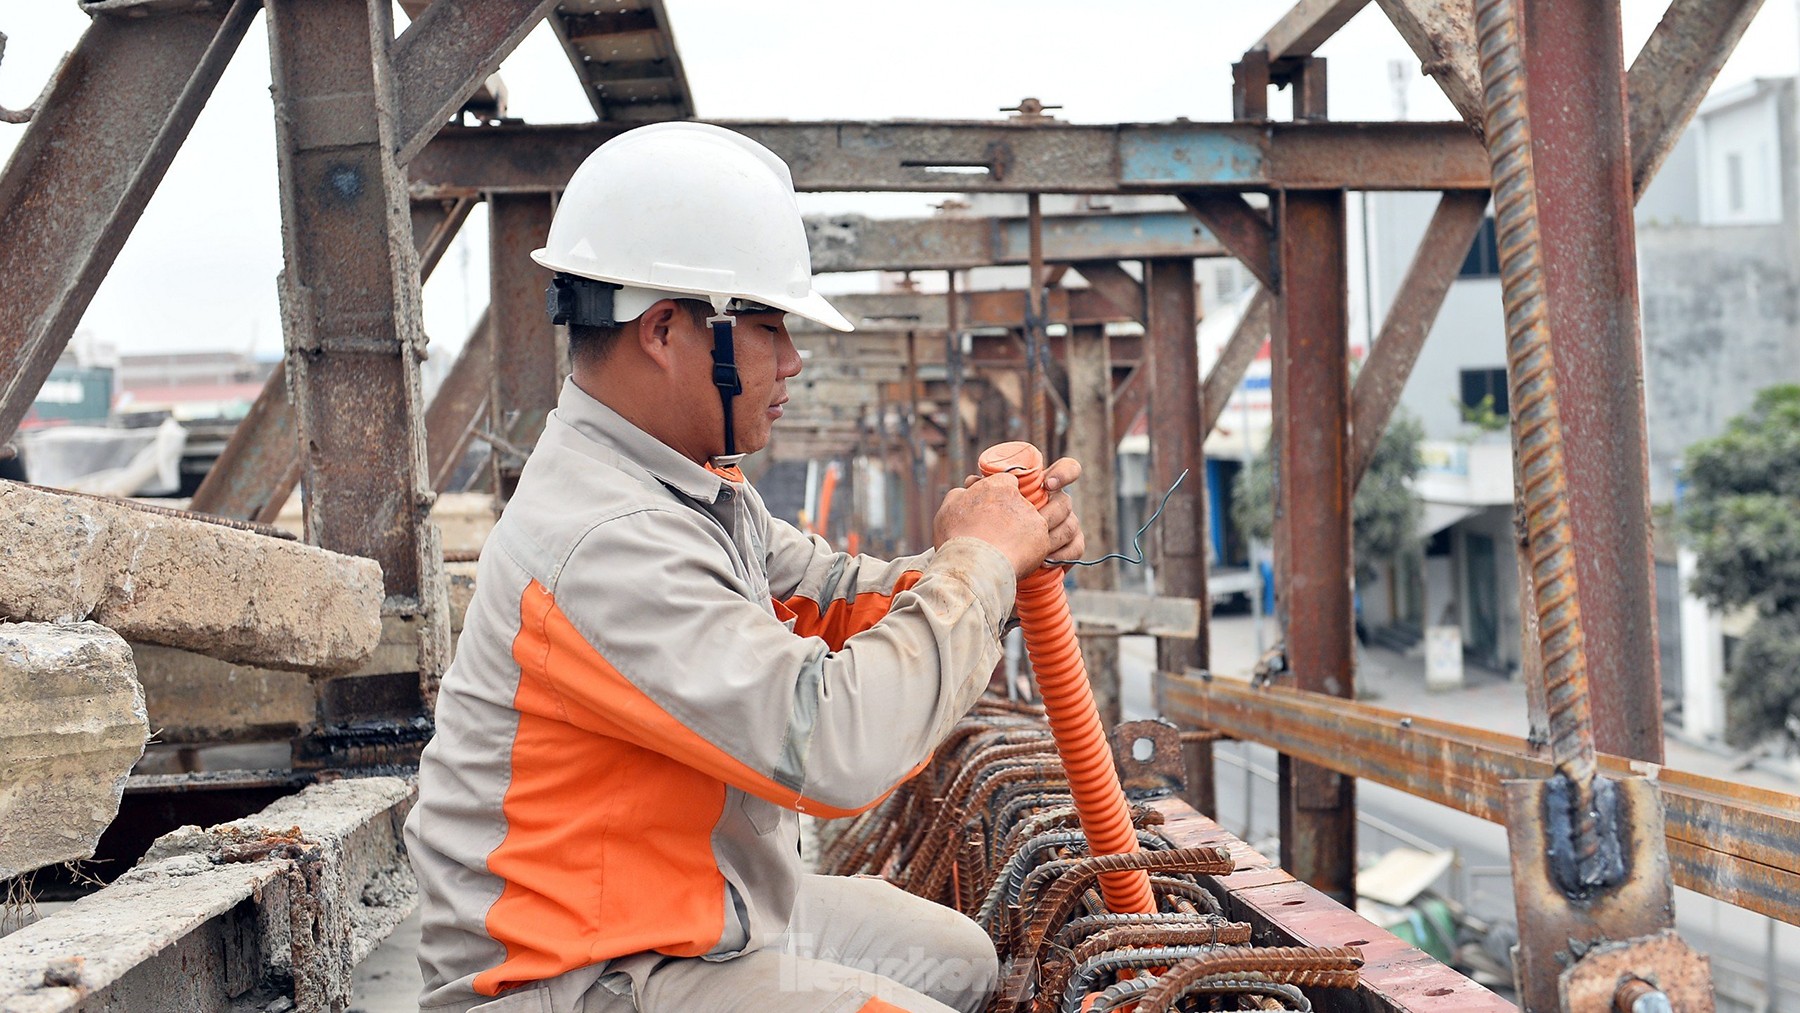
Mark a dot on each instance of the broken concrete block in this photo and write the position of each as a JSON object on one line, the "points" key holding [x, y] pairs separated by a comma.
{"points": [[216, 590], [74, 726], [280, 904], [194, 699]]}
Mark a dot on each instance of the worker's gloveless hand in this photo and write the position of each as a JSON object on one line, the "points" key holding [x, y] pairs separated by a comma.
{"points": [[1066, 540], [992, 510]]}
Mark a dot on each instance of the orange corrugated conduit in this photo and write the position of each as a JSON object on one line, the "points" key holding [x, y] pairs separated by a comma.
{"points": [[1069, 702]]}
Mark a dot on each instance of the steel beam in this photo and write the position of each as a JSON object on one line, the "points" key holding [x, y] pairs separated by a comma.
{"points": [[1731, 841], [856, 243], [1673, 71], [1312, 517], [1091, 441], [1130, 398], [899, 312], [879, 355], [626, 59], [526, 381], [963, 157], [1442, 34], [256, 473], [1247, 338], [350, 304], [1116, 286], [460, 405], [1306, 26], [1575, 89], [445, 54], [98, 144], [1241, 229], [1435, 265], [1176, 441]]}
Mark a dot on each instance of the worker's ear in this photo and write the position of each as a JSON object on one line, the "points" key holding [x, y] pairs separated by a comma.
{"points": [[656, 332]]}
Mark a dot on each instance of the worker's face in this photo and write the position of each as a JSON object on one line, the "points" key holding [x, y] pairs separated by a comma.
{"points": [[766, 360]]}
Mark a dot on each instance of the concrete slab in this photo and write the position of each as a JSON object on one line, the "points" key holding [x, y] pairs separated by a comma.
{"points": [[278, 905], [220, 591], [75, 725], [195, 700]]}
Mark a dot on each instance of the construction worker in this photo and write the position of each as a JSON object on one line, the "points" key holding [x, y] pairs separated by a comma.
{"points": [[656, 675]]}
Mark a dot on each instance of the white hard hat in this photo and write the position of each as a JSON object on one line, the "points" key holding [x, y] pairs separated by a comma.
{"points": [[687, 210]]}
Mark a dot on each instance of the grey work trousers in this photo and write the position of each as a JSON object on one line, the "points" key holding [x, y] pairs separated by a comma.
{"points": [[853, 944]]}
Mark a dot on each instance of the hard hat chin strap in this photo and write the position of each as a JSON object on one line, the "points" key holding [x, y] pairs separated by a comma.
{"points": [[725, 373]]}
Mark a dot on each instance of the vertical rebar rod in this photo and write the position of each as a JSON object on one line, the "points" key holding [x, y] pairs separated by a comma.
{"points": [[1536, 423]]}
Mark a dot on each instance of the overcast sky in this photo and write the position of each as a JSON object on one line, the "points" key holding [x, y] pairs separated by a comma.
{"points": [[199, 270]]}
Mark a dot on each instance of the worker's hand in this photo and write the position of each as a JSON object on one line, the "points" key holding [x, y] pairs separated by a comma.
{"points": [[1066, 539], [992, 510]]}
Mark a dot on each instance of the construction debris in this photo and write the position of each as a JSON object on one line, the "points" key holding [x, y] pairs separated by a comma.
{"points": [[75, 726], [279, 905], [220, 591]]}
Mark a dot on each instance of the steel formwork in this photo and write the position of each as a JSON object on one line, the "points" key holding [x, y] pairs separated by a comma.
{"points": [[375, 183]]}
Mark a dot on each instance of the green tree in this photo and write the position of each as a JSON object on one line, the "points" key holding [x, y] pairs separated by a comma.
{"points": [[1386, 513], [1741, 512]]}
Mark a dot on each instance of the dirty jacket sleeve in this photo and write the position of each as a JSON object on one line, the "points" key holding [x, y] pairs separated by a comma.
{"points": [[697, 671]]}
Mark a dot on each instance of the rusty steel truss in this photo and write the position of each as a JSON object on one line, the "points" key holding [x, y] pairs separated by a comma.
{"points": [[375, 181]]}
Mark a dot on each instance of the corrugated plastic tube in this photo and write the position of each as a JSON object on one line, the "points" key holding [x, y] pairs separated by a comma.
{"points": [[1069, 702]]}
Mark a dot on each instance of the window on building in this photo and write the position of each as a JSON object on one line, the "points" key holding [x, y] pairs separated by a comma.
{"points": [[1483, 260], [1480, 384], [1734, 182]]}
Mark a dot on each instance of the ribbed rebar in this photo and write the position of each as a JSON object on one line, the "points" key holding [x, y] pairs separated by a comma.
{"points": [[1056, 974], [1078, 929], [1320, 967], [158, 509], [1536, 423], [1062, 896], [1081, 979]]}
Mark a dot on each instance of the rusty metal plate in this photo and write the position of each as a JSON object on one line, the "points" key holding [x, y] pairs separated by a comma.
{"points": [[1148, 755], [1662, 960], [1557, 932]]}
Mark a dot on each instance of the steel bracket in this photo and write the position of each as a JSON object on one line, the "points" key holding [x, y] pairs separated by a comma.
{"points": [[1575, 951], [1662, 959], [1148, 755]]}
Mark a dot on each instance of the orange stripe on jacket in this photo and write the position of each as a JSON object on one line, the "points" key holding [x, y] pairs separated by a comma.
{"points": [[608, 846], [845, 618]]}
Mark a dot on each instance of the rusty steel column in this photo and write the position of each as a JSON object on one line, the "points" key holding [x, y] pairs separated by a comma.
{"points": [[1312, 399], [1575, 89], [522, 338], [92, 156], [957, 449], [350, 307], [1176, 441], [260, 466], [1091, 442], [918, 498]]}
